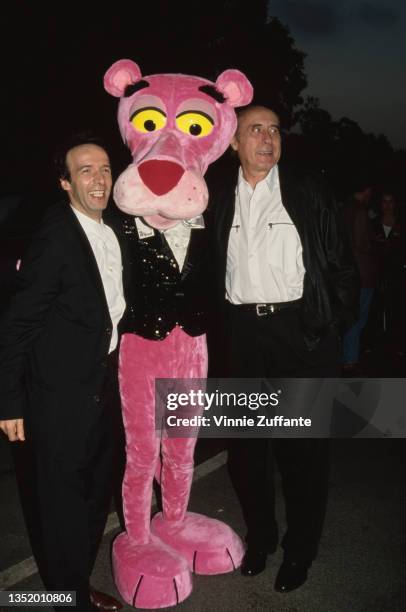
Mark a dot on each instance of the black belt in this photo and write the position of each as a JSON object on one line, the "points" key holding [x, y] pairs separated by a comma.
{"points": [[261, 310]]}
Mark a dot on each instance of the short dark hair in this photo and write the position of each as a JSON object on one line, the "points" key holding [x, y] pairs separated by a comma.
{"points": [[76, 140]]}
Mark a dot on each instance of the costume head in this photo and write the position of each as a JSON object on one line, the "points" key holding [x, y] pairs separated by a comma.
{"points": [[175, 126]]}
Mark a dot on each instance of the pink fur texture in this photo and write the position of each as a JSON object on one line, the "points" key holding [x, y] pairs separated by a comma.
{"points": [[150, 576], [138, 553], [170, 118], [175, 125], [141, 361], [205, 545], [210, 546]]}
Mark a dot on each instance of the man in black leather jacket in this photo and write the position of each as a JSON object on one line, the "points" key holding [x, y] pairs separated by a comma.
{"points": [[287, 287]]}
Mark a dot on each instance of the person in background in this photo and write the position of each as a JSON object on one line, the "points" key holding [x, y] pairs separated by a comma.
{"points": [[390, 244], [359, 226]]}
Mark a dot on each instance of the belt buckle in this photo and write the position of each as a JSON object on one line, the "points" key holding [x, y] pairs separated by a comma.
{"points": [[261, 310]]}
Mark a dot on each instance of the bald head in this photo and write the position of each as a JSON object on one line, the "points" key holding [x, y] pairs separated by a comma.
{"points": [[246, 110]]}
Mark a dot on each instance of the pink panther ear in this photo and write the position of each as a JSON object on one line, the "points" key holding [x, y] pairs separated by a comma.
{"points": [[235, 86], [119, 75]]}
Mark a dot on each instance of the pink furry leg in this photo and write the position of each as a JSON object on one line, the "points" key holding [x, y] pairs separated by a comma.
{"points": [[209, 545], [148, 574]]}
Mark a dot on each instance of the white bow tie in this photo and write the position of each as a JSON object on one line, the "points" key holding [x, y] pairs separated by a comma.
{"points": [[195, 222]]}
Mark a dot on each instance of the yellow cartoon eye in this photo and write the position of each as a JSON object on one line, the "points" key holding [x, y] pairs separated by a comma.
{"points": [[195, 123], [148, 119]]}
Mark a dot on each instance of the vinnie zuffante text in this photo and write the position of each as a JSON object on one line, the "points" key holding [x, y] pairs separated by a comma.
{"points": [[199, 401]]}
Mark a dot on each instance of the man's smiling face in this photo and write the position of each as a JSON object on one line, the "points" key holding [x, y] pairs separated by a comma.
{"points": [[90, 179], [257, 142]]}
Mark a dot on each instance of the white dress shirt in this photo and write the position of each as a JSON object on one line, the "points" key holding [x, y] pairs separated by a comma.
{"points": [[177, 237], [387, 229], [107, 253], [264, 257]]}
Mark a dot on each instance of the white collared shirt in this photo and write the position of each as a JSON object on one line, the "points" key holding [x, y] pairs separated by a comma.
{"points": [[264, 257], [177, 237], [107, 253]]}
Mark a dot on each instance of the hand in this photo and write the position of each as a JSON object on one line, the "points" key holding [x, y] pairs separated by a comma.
{"points": [[14, 429]]}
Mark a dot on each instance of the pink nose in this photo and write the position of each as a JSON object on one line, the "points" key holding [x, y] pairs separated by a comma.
{"points": [[160, 176]]}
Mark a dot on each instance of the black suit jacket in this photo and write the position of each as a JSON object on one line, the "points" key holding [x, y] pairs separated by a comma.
{"points": [[331, 282], [55, 336]]}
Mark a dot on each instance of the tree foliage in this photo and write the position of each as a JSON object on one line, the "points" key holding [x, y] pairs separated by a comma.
{"points": [[56, 58], [340, 149]]}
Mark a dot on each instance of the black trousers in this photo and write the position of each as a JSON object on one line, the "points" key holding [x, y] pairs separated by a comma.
{"points": [[72, 495], [273, 346]]}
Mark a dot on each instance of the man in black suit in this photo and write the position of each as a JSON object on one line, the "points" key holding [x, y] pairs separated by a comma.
{"points": [[58, 370], [283, 264]]}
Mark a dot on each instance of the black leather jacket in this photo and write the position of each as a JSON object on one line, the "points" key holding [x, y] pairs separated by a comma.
{"points": [[331, 283]]}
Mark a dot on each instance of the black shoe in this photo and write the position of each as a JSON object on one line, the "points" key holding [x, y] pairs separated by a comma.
{"points": [[254, 562], [291, 575]]}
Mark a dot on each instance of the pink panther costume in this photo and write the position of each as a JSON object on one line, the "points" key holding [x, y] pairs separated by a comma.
{"points": [[175, 126]]}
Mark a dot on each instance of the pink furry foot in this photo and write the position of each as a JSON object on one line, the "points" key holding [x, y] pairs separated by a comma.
{"points": [[210, 546], [150, 575]]}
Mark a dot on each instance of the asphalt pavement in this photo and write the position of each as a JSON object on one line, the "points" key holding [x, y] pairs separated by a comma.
{"points": [[361, 565]]}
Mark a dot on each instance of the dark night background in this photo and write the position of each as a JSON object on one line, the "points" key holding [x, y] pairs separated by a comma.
{"points": [[55, 56]]}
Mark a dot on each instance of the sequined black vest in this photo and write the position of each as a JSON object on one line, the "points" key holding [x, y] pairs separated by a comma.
{"points": [[158, 295]]}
